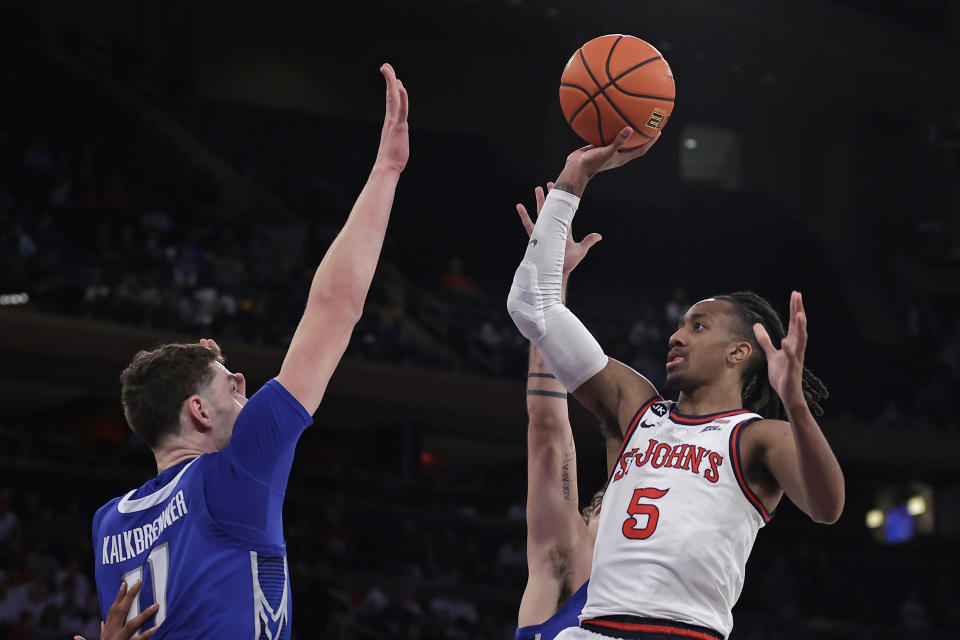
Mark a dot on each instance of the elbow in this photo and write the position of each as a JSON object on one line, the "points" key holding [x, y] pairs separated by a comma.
{"points": [[828, 517], [524, 310], [349, 308], [830, 513]]}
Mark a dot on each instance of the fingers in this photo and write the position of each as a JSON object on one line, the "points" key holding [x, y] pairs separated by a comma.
{"points": [[389, 75], [636, 152], [124, 599], [763, 338], [801, 334], [589, 241], [393, 91], [797, 329], [525, 218], [123, 586], [404, 104], [550, 185], [619, 141], [146, 634], [138, 621], [540, 198]]}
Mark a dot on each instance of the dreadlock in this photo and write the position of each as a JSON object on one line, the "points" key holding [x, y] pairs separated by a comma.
{"points": [[757, 394]]}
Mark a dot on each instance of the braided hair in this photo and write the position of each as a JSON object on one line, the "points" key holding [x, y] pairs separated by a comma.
{"points": [[757, 394]]}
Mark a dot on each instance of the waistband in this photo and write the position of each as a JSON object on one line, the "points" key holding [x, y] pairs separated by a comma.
{"points": [[633, 627]]}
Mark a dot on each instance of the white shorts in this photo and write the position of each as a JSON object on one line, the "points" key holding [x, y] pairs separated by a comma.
{"points": [[578, 633]]}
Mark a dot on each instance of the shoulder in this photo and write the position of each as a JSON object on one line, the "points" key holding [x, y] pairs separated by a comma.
{"points": [[103, 512], [274, 397], [756, 437], [763, 431]]}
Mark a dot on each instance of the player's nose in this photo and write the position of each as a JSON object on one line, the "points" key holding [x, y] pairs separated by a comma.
{"points": [[677, 339]]}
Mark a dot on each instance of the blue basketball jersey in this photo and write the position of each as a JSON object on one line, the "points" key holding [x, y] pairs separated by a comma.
{"points": [[206, 536], [567, 616]]}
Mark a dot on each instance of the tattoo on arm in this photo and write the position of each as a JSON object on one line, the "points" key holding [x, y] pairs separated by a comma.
{"points": [[550, 394], [565, 470], [538, 374], [565, 186]]}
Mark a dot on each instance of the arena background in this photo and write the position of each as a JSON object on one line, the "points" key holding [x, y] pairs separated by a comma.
{"points": [[177, 173]]}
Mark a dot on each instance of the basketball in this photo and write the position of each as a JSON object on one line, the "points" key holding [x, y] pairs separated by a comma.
{"points": [[617, 81]]}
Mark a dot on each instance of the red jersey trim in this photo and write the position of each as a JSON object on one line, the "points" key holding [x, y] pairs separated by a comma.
{"points": [[738, 471], [682, 419], [633, 427], [664, 629]]}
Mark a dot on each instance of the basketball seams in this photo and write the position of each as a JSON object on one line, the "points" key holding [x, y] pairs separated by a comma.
{"points": [[613, 81], [586, 102], [583, 59], [589, 100]]}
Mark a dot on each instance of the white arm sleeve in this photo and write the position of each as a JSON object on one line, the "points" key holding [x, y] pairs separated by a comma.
{"points": [[535, 305]]}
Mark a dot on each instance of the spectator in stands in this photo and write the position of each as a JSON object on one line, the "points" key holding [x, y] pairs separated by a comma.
{"points": [[9, 523], [675, 307], [12, 599], [454, 280]]}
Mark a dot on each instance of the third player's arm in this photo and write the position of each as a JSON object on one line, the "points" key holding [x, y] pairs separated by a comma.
{"points": [[552, 515], [340, 285]]}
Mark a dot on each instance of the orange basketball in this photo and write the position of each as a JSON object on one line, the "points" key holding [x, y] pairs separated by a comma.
{"points": [[617, 81]]}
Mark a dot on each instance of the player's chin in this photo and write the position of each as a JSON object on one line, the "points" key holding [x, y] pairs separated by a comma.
{"points": [[674, 380]]}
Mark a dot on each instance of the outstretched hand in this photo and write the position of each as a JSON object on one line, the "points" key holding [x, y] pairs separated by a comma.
{"points": [[596, 159], [785, 365], [211, 344], [116, 627], [394, 138], [575, 251]]}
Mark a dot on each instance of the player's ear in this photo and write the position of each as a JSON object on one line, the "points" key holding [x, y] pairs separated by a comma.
{"points": [[199, 412], [739, 352]]}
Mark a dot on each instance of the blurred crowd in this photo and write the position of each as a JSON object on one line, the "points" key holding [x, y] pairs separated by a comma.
{"points": [[82, 237]]}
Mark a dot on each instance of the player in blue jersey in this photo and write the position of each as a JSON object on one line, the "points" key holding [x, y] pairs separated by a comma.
{"points": [[205, 535], [560, 538]]}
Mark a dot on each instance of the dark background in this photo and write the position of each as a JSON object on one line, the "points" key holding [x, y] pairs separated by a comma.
{"points": [[177, 172]]}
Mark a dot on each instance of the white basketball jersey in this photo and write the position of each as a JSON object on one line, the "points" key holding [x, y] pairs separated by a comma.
{"points": [[678, 521]]}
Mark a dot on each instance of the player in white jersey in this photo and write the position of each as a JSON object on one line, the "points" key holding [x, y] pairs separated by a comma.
{"points": [[697, 478]]}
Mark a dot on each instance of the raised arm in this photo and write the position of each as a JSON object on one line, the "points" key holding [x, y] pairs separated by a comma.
{"points": [[796, 453], [610, 389], [341, 282], [553, 517], [558, 551]]}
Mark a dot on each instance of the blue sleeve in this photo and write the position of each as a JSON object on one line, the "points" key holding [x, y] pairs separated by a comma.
{"points": [[246, 482]]}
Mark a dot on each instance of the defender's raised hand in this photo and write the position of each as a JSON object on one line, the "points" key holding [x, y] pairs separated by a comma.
{"points": [[575, 251], [785, 365], [394, 139]]}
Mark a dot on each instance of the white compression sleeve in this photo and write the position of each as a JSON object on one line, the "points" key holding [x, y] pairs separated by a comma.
{"points": [[535, 304]]}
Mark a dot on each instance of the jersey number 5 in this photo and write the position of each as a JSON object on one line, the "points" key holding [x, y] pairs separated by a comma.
{"points": [[637, 508]]}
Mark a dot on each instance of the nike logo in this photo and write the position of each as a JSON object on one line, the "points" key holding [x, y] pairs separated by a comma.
{"points": [[644, 425], [534, 242]]}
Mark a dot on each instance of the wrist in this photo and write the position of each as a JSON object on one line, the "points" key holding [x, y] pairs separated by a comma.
{"points": [[573, 179], [385, 169], [795, 403]]}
